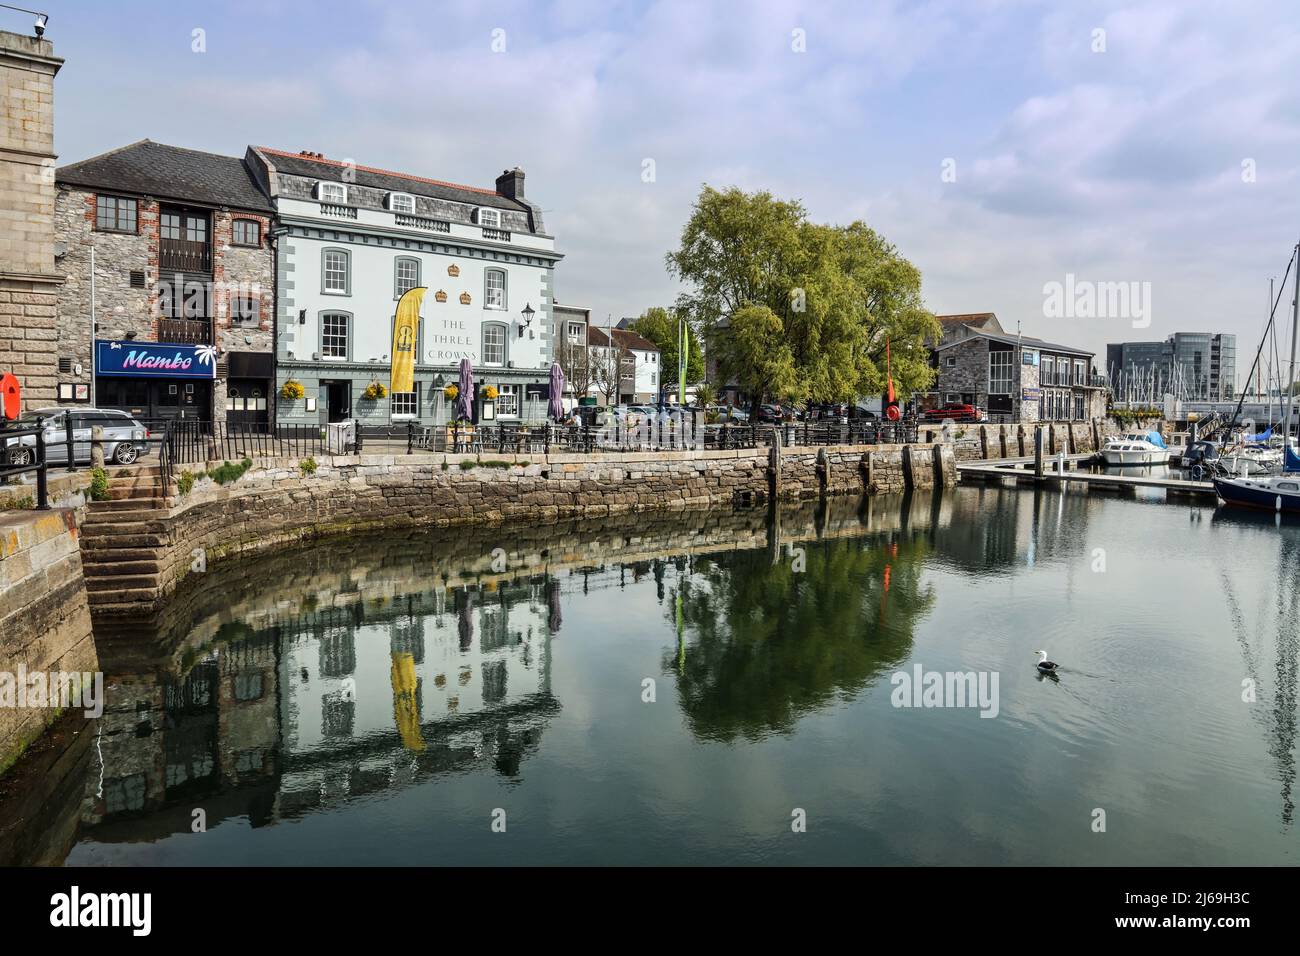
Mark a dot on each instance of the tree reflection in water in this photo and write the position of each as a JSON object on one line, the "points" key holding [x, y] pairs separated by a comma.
{"points": [[765, 644]]}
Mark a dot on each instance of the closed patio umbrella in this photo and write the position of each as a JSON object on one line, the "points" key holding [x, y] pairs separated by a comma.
{"points": [[464, 400], [556, 408]]}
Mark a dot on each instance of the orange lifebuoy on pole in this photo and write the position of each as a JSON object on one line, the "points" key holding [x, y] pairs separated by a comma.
{"points": [[11, 394], [892, 411]]}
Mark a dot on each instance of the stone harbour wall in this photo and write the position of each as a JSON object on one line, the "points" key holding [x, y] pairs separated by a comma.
{"points": [[841, 469], [973, 442], [279, 501], [63, 490], [44, 616]]}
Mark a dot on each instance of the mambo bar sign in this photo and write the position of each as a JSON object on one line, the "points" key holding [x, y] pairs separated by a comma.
{"points": [[155, 359]]}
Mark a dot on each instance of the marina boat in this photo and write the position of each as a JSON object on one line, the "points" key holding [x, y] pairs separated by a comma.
{"points": [[1271, 492], [1243, 464], [1279, 492], [1139, 448]]}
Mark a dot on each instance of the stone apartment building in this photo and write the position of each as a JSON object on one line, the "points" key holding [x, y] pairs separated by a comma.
{"points": [[1014, 378], [1020, 379], [167, 305], [638, 364], [571, 324], [29, 281]]}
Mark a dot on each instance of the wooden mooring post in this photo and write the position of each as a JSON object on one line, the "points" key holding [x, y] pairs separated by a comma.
{"points": [[774, 465]]}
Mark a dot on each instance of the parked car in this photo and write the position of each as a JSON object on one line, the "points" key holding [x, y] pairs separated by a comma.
{"points": [[834, 414], [771, 414], [125, 438], [632, 415], [730, 415], [955, 411]]}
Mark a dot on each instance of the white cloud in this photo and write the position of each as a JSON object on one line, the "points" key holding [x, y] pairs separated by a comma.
{"points": [[1119, 165]]}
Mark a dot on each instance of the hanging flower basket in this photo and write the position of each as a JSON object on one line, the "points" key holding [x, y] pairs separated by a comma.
{"points": [[451, 392], [374, 391], [292, 390], [490, 393]]}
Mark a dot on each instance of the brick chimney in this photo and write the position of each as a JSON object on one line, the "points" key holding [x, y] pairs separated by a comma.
{"points": [[511, 184]]}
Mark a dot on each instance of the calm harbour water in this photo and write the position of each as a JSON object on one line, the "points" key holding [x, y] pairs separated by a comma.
{"points": [[377, 701]]}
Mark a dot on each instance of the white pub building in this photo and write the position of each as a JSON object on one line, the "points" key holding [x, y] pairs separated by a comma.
{"points": [[352, 239]]}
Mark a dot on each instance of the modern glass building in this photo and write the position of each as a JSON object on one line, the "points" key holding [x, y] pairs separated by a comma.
{"points": [[1197, 366]]}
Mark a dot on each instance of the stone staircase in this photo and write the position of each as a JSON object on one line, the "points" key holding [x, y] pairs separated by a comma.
{"points": [[121, 538]]}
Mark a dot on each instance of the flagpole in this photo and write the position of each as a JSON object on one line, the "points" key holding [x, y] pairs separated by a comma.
{"points": [[683, 357]]}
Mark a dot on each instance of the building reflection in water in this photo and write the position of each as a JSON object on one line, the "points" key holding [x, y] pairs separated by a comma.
{"points": [[325, 705]]}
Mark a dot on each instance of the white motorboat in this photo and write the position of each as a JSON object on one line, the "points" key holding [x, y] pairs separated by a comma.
{"points": [[1138, 448]]}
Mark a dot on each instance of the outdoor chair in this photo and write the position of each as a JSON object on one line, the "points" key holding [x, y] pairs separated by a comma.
{"points": [[463, 440]]}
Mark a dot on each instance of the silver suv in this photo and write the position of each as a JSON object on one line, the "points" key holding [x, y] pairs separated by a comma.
{"points": [[125, 439]]}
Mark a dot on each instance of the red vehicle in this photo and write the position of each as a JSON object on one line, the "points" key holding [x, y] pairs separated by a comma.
{"points": [[956, 411]]}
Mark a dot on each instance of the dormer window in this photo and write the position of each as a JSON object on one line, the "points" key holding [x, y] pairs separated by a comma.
{"points": [[489, 218], [335, 193], [401, 202]]}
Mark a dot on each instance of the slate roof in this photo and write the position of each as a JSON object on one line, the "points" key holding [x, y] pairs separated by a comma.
{"points": [[1022, 340], [967, 318], [154, 169], [319, 167], [624, 338]]}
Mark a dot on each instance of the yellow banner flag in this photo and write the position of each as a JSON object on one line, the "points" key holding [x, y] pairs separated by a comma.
{"points": [[406, 706], [406, 337]]}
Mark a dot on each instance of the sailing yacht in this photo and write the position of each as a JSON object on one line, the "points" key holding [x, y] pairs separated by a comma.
{"points": [[1279, 492]]}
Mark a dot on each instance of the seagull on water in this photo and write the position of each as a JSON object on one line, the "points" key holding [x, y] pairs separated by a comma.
{"points": [[1044, 665]]}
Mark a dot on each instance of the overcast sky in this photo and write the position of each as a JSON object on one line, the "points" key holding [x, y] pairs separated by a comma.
{"points": [[1148, 142]]}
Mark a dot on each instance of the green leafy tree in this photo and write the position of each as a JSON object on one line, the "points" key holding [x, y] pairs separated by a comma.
{"points": [[757, 355], [836, 293], [659, 325]]}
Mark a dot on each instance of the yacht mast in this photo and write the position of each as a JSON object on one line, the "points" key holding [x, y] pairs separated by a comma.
{"points": [[1295, 328]]}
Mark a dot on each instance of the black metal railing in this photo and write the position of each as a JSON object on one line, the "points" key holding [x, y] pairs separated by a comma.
{"points": [[852, 432], [166, 458], [21, 458], [548, 438], [647, 435], [190, 441]]}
